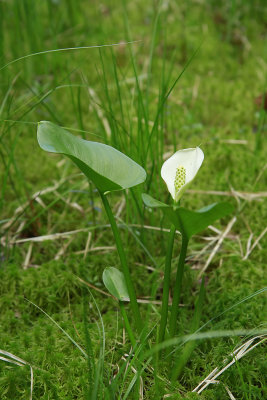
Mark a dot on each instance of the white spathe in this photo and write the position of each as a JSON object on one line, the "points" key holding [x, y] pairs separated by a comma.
{"points": [[191, 160]]}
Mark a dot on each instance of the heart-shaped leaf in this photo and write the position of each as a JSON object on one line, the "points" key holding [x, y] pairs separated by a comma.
{"points": [[190, 222], [107, 167], [115, 283]]}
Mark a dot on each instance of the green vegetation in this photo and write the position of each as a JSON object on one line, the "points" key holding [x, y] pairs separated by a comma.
{"points": [[196, 76]]}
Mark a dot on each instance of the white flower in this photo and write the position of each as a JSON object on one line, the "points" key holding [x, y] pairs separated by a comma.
{"points": [[180, 169]]}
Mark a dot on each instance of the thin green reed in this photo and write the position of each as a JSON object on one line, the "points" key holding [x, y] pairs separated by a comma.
{"points": [[166, 285], [183, 356], [142, 117], [2, 38], [261, 122], [88, 344], [160, 107], [110, 113], [32, 24], [79, 109], [71, 10], [178, 286]]}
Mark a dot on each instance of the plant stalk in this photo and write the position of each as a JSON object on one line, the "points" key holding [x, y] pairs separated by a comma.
{"points": [[124, 264], [184, 356], [166, 286], [177, 286], [127, 324]]}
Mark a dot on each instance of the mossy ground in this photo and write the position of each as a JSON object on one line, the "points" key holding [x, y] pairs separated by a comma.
{"points": [[212, 105]]}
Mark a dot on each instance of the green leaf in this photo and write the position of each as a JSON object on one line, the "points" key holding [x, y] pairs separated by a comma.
{"points": [[190, 222], [107, 167], [151, 202], [193, 222], [115, 283]]}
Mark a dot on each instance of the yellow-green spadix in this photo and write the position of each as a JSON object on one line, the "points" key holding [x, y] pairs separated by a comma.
{"points": [[180, 169]]}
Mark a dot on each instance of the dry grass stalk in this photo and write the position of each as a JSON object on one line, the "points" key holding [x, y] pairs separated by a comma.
{"points": [[243, 195], [95, 105], [28, 256], [87, 245], [53, 236], [251, 248], [141, 387], [103, 249], [216, 248], [62, 250], [237, 354], [71, 204]]}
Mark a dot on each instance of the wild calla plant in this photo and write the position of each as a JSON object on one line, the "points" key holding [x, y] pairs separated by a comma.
{"points": [[111, 170], [108, 169], [178, 172]]}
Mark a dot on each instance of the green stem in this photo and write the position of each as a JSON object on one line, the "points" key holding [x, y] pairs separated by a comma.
{"points": [[127, 324], [124, 263], [166, 286], [184, 355], [177, 286]]}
